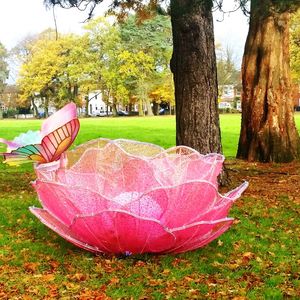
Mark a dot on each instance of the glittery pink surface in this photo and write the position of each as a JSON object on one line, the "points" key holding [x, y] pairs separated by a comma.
{"points": [[130, 197]]}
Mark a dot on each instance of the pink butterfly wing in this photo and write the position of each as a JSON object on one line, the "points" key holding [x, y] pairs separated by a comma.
{"points": [[58, 141], [50, 149], [61, 117]]}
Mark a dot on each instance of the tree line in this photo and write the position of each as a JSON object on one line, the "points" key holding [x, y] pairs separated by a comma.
{"points": [[128, 62], [108, 57]]}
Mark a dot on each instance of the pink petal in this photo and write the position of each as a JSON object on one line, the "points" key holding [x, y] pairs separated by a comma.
{"points": [[223, 205], [58, 119], [124, 174], [180, 164], [65, 203], [60, 228], [56, 201], [137, 149], [198, 235], [182, 204], [120, 232], [207, 168]]}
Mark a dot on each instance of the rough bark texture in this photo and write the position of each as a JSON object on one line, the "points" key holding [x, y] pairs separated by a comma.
{"points": [[268, 131], [193, 65]]}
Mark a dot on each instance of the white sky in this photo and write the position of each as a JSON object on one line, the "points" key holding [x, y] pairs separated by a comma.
{"points": [[19, 18]]}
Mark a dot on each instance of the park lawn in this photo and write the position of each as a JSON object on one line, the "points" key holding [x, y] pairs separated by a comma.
{"points": [[258, 258], [157, 130]]}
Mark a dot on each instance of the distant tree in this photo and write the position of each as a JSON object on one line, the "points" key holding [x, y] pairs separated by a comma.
{"points": [[268, 131], [3, 67], [156, 37], [155, 34], [228, 73], [9, 96], [45, 72], [105, 46], [163, 92], [127, 69]]}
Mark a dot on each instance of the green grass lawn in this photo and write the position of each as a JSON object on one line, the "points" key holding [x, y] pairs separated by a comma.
{"points": [[157, 130], [258, 258]]}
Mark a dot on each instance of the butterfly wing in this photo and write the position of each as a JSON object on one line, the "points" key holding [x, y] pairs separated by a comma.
{"points": [[58, 141], [50, 149], [25, 154]]}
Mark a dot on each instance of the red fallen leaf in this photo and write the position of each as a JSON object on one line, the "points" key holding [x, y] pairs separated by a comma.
{"points": [[48, 277], [78, 277], [54, 264], [31, 267], [154, 282], [247, 256], [188, 278], [53, 291], [114, 280], [140, 263]]}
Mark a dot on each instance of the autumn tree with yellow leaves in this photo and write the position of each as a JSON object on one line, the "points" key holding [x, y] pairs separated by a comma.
{"points": [[103, 58]]}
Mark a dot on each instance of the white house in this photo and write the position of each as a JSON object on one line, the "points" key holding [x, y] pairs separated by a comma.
{"points": [[97, 106], [227, 92]]}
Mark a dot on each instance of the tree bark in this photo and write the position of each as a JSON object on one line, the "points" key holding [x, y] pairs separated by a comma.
{"points": [[87, 105], [141, 108], [155, 108], [114, 109], [34, 108], [268, 131], [46, 106], [149, 108], [193, 64]]}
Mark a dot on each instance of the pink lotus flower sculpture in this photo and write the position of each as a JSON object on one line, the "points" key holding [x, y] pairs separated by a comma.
{"points": [[128, 197]]}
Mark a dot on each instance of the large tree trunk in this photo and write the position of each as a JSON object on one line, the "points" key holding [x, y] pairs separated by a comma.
{"points": [[268, 131], [193, 64]]}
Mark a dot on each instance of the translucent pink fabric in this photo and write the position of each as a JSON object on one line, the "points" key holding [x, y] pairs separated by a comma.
{"points": [[130, 197]]}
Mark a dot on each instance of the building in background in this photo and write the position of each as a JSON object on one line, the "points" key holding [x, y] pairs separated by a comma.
{"points": [[96, 105], [230, 96]]}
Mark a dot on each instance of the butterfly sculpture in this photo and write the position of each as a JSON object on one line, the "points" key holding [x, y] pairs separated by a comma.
{"points": [[57, 134]]}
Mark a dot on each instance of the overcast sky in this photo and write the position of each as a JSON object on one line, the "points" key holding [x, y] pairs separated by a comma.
{"points": [[19, 18]]}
